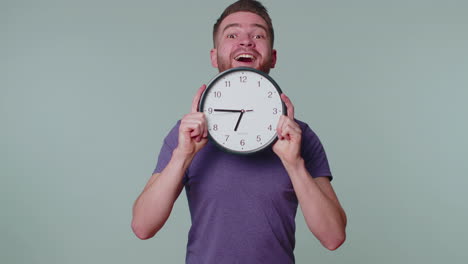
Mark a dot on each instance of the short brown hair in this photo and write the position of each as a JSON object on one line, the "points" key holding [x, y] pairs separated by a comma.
{"points": [[252, 6]]}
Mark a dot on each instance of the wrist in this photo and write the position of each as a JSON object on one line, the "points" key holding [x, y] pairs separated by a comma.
{"points": [[182, 157], [294, 164], [183, 154]]}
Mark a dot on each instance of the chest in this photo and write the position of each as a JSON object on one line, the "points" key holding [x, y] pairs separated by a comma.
{"points": [[215, 174]]}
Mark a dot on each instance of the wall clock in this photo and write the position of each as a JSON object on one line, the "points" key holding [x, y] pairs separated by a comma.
{"points": [[242, 107]]}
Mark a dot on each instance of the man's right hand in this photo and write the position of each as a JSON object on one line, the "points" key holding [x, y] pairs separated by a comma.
{"points": [[193, 130], [154, 205]]}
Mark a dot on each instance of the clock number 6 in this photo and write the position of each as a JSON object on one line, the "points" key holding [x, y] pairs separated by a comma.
{"points": [[242, 142]]}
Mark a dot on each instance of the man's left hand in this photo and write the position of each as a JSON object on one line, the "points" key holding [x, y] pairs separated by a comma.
{"points": [[288, 146]]}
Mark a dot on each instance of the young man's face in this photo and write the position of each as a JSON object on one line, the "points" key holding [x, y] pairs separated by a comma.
{"points": [[242, 40]]}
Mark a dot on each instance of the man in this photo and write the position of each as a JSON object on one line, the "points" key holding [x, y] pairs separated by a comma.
{"points": [[242, 208]]}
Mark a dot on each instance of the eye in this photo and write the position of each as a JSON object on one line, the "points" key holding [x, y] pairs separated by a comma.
{"points": [[231, 36], [258, 36]]}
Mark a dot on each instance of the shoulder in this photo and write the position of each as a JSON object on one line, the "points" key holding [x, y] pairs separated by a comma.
{"points": [[313, 152], [172, 137], [306, 129]]}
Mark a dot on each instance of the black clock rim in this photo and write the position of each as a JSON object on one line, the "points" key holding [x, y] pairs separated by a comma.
{"points": [[219, 76]]}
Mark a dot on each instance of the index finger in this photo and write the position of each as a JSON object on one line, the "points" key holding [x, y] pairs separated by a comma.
{"points": [[196, 98], [289, 105]]}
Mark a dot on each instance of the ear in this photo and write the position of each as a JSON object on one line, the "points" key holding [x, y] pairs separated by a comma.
{"points": [[273, 58], [214, 57]]}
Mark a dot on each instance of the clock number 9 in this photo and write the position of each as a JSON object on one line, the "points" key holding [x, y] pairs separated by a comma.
{"points": [[210, 110]]}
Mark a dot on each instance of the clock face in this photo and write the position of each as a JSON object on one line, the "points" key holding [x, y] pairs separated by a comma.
{"points": [[242, 107]]}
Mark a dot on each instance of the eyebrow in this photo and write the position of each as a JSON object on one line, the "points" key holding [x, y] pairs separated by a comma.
{"points": [[239, 25]]}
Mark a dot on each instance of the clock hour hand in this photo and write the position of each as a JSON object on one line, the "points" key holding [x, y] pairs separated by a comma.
{"points": [[238, 120]]}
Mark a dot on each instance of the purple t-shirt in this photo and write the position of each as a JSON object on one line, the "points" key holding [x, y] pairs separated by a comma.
{"points": [[243, 208]]}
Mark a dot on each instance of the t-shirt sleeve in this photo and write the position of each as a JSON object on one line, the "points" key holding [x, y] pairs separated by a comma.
{"points": [[168, 146], [314, 154]]}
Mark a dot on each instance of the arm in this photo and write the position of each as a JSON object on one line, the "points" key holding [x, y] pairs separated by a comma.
{"points": [[322, 211], [154, 205]]}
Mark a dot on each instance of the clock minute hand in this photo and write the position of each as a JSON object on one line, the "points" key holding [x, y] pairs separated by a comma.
{"points": [[228, 110], [232, 110]]}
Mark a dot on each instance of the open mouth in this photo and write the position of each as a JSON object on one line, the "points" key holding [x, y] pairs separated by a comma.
{"points": [[245, 58]]}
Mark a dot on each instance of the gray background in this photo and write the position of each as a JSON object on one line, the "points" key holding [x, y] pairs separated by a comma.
{"points": [[88, 90]]}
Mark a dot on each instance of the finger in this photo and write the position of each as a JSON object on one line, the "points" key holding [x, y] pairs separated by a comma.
{"points": [[194, 124], [289, 134], [289, 105], [196, 132], [292, 124], [279, 127], [196, 98], [286, 127], [290, 130], [205, 133], [285, 132]]}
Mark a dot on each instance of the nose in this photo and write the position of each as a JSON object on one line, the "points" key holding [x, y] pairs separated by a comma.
{"points": [[246, 41]]}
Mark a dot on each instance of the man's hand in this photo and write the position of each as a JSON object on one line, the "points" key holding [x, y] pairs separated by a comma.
{"points": [[193, 130], [154, 205], [288, 146], [322, 211]]}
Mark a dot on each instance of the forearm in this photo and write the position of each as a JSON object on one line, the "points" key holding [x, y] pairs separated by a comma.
{"points": [[322, 212], [154, 205]]}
